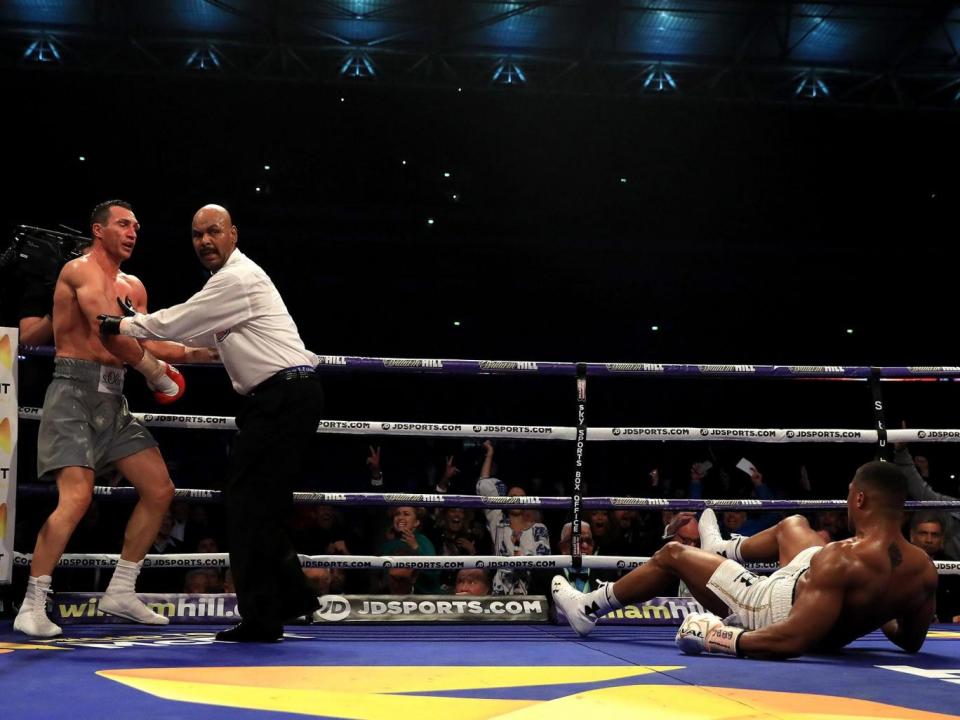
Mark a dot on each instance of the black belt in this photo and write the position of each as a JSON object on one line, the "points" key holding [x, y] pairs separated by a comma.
{"points": [[300, 372]]}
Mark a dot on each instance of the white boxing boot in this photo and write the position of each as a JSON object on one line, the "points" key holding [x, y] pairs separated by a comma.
{"points": [[121, 600], [32, 619]]}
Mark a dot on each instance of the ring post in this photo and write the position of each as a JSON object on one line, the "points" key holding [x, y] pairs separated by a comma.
{"points": [[578, 488], [879, 419]]}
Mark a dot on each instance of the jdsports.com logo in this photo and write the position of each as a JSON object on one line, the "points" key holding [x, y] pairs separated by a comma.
{"points": [[836, 434], [651, 432], [333, 608]]}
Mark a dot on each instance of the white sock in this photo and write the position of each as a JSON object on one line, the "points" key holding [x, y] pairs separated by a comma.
{"points": [[712, 541], [731, 548], [602, 600], [124, 577]]}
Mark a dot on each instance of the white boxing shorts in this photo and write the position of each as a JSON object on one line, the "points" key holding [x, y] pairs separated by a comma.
{"points": [[759, 600]]}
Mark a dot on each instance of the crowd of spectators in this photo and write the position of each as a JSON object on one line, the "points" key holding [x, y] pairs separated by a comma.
{"points": [[192, 527]]}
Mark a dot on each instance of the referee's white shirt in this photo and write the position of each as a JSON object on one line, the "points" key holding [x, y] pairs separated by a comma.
{"points": [[240, 311]]}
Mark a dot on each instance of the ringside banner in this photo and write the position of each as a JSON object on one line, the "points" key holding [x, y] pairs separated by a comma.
{"points": [[655, 611], [9, 416], [77, 608], [183, 609]]}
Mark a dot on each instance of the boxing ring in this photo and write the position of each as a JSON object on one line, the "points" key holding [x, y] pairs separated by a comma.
{"points": [[519, 665]]}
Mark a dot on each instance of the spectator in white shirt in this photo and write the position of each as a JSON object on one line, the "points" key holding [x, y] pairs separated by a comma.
{"points": [[514, 532]]}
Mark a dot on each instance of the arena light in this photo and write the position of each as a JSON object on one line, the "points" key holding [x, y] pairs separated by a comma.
{"points": [[358, 66], [508, 72], [659, 80], [43, 50], [204, 59], [811, 86]]}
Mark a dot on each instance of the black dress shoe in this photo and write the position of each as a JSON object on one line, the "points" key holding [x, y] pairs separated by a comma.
{"points": [[244, 632]]}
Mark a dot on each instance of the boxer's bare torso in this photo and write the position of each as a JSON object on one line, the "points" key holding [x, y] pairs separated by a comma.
{"points": [[90, 285], [871, 579]]}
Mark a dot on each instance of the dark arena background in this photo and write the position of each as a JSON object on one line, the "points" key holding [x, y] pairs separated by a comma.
{"points": [[699, 182]]}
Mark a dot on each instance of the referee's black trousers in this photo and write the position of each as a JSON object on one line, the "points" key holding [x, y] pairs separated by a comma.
{"points": [[277, 427]]}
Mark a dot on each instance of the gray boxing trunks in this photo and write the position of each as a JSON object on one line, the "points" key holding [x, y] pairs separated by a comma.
{"points": [[86, 421]]}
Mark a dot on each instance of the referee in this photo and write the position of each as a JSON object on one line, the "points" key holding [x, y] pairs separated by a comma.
{"points": [[240, 312]]}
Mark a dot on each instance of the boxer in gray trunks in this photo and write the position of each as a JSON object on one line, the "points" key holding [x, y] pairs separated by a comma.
{"points": [[86, 421], [824, 596], [87, 426]]}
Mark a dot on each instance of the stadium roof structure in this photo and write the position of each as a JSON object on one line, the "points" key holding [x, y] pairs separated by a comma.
{"points": [[888, 53]]}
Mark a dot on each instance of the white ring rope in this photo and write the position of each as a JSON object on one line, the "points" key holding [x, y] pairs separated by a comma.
{"points": [[377, 562], [553, 432]]}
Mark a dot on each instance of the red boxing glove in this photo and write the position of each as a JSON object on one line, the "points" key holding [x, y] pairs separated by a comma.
{"points": [[169, 387], [163, 378]]}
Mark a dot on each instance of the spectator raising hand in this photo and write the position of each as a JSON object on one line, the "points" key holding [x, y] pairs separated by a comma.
{"points": [[373, 463], [450, 471], [514, 532]]}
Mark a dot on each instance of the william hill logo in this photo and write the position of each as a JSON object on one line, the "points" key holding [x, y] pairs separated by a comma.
{"points": [[5, 441], [6, 351]]}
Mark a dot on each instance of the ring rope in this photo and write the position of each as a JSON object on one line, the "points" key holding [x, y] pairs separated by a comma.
{"points": [[378, 562], [479, 502], [539, 367], [485, 367], [552, 432]]}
